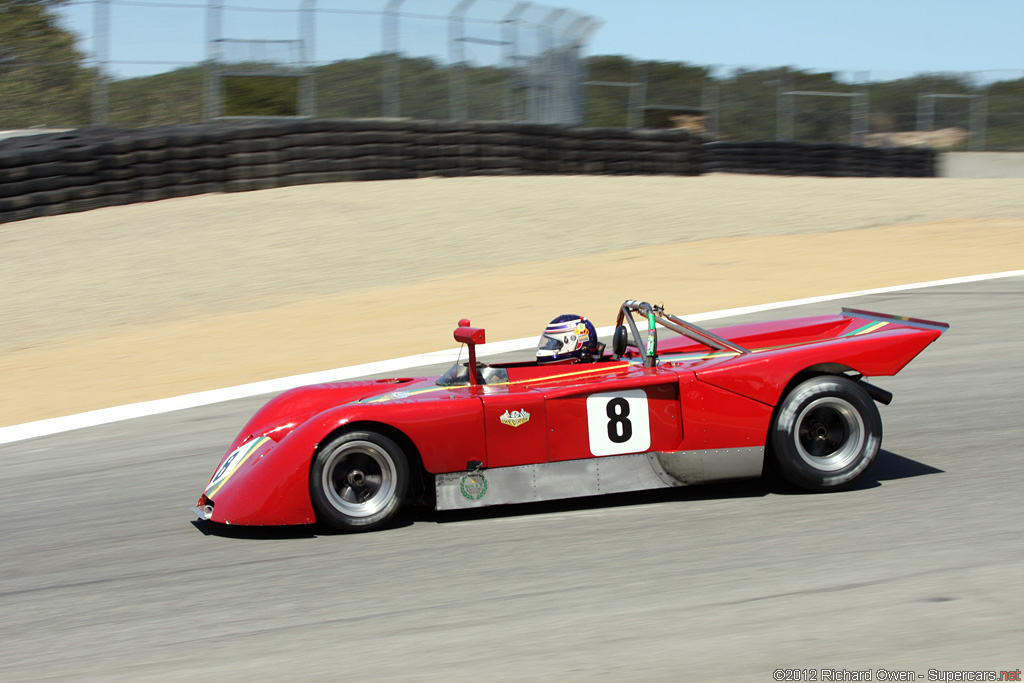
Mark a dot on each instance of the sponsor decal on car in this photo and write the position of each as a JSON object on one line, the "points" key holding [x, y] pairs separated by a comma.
{"points": [[233, 462], [866, 329], [473, 486], [515, 418]]}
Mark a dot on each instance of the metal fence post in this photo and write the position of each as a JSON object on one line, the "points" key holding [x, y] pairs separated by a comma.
{"points": [[307, 44], [710, 102], [390, 79], [544, 90], [979, 119], [101, 38], [637, 95], [511, 58], [926, 110], [456, 32], [862, 111], [785, 125], [859, 118], [580, 30], [214, 25]]}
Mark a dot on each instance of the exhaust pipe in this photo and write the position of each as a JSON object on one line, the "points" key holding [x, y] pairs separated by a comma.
{"points": [[881, 395]]}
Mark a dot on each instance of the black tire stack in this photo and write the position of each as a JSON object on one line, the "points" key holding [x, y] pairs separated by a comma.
{"points": [[804, 159], [910, 162], [55, 173], [503, 148], [630, 151]]}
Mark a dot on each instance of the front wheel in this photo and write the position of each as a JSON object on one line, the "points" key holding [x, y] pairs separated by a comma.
{"points": [[826, 433], [358, 481]]}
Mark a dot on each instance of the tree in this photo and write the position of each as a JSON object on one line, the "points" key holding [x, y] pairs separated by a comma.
{"points": [[42, 77], [1005, 103], [168, 98]]}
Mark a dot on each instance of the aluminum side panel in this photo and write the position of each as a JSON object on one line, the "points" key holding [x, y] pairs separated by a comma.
{"points": [[594, 476], [547, 481], [717, 464]]}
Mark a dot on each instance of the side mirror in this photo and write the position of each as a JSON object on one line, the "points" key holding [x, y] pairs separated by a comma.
{"points": [[619, 340], [464, 334]]}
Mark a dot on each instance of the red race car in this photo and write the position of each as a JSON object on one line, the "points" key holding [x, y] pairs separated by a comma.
{"points": [[694, 407]]}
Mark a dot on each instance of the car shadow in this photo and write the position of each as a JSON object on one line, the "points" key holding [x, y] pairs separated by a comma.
{"points": [[279, 533], [888, 466], [254, 533]]}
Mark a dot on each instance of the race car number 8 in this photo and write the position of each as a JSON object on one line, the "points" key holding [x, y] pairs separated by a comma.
{"points": [[618, 422], [620, 429]]}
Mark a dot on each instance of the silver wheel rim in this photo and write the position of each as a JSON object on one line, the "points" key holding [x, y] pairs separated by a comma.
{"points": [[359, 478], [829, 434]]}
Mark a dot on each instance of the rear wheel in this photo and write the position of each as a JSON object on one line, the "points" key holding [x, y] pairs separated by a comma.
{"points": [[826, 433], [358, 481]]}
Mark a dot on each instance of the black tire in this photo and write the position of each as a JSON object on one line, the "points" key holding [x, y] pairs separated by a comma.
{"points": [[358, 481], [825, 434]]}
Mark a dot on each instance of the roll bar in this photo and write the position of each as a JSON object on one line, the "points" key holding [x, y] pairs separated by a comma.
{"points": [[656, 315]]}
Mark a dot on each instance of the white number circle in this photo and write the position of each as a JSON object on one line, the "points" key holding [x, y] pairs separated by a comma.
{"points": [[619, 422]]}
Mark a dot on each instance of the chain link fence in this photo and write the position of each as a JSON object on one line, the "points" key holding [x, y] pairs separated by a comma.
{"points": [[438, 59], [952, 111], [139, 63]]}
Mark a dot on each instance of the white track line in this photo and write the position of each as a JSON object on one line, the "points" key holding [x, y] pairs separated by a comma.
{"points": [[93, 418]]}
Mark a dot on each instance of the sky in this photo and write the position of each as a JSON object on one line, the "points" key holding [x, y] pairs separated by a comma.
{"points": [[886, 38], [912, 36]]}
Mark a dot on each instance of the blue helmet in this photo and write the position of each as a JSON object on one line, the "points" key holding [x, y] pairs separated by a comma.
{"points": [[568, 338]]}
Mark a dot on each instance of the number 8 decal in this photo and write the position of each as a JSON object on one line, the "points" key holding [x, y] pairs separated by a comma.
{"points": [[618, 422], [619, 427]]}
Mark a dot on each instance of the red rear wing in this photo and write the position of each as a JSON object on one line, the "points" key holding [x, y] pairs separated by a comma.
{"points": [[885, 318]]}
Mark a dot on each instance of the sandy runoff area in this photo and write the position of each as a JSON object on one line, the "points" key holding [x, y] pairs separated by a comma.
{"points": [[146, 301]]}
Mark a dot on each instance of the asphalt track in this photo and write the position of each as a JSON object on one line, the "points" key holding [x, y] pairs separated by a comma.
{"points": [[921, 566]]}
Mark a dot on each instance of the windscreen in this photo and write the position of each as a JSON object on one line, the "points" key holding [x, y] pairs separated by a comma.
{"points": [[458, 375]]}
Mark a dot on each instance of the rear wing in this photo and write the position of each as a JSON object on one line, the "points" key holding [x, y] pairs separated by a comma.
{"points": [[899, 319]]}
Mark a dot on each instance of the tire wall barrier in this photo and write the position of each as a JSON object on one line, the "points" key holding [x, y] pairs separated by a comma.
{"points": [[56, 173], [795, 159]]}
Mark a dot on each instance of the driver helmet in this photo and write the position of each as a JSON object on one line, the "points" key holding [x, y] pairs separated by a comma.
{"points": [[567, 338]]}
